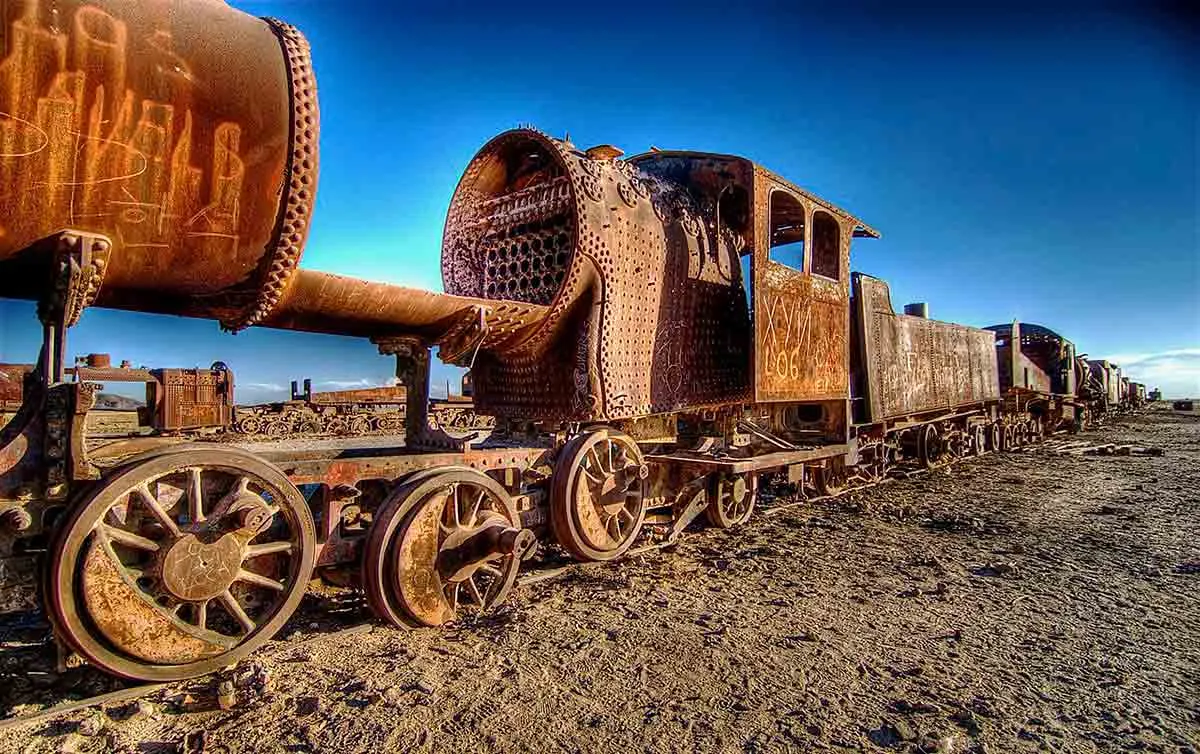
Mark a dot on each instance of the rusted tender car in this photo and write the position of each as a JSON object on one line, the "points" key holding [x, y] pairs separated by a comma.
{"points": [[652, 335], [1041, 377]]}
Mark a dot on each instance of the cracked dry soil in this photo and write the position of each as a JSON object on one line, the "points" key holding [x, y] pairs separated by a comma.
{"points": [[1017, 602]]}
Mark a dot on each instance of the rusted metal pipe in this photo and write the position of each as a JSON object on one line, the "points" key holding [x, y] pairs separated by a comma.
{"points": [[184, 131]]}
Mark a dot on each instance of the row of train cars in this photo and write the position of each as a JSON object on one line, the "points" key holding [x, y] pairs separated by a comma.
{"points": [[201, 401], [1067, 391]]}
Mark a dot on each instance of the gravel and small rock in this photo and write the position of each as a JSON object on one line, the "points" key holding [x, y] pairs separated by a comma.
{"points": [[1044, 600]]}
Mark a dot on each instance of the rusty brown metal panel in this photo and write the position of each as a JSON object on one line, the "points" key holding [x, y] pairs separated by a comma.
{"points": [[801, 336], [801, 320], [915, 364], [194, 398], [391, 394], [12, 385]]}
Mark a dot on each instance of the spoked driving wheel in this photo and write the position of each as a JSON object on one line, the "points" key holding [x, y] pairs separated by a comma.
{"points": [[832, 478], [731, 499], [444, 541], [181, 564], [597, 504]]}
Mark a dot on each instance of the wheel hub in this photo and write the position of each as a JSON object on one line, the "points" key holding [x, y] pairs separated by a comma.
{"points": [[194, 571]]}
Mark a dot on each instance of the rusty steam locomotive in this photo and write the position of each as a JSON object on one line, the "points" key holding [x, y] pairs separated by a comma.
{"points": [[648, 352]]}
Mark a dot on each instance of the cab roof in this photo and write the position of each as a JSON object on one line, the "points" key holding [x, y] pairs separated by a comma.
{"points": [[861, 229]]}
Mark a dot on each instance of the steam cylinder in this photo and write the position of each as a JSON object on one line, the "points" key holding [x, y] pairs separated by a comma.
{"points": [[184, 131]]}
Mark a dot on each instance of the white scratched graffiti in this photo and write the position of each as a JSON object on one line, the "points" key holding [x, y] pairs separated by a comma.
{"points": [[803, 345]]}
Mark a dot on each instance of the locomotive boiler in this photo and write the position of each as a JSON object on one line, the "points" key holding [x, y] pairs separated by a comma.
{"points": [[654, 337]]}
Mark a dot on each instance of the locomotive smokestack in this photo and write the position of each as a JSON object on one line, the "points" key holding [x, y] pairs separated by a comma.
{"points": [[920, 309]]}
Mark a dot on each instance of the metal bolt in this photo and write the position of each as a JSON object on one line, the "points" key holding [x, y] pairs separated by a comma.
{"points": [[15, 520]]}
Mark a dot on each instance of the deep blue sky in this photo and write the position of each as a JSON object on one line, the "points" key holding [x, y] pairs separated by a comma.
{"points": [[1039, 165]]}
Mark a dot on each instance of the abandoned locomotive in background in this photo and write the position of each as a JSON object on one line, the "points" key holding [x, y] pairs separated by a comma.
{"points": [[654, 337], [202, 401]]}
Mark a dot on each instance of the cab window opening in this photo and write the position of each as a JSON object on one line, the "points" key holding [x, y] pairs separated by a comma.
{"points": [[787, 230], [827, 246]]}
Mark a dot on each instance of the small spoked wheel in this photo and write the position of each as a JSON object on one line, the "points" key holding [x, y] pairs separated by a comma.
{"points": [[832, 478], [978, 440], [930, 447], [181, 564], [731, 499], [444, 541], [1010, 437], [250, 425], [597, 503], [995, 437], [277, 428], [391, 423], [309, 427]]}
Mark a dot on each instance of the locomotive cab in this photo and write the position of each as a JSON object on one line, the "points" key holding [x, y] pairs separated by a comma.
{"points": [[792, 265]]}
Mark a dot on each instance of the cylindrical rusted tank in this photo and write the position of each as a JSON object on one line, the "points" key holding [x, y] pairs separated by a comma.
{"points": [[185, 131]]}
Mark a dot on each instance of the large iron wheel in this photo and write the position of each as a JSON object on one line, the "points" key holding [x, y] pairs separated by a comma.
{"points": [[181, 563], [445, 540], [597, 503], [731, 499]]}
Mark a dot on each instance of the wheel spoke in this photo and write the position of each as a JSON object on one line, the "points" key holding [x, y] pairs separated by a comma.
{"points": [[258, 580], [479, 497], [588, 473], [492, 570], [231, 604], [195, 496], [152, 504], [127, 538], [597, 460], [202, 614], [473, 590], [267, 548]]}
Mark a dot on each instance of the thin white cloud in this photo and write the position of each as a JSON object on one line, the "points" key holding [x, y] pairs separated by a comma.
{"points": [[347, 384], [269, 386], [1175, 371]]}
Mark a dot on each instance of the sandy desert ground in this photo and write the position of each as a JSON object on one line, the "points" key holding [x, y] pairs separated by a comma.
{"points": [[1037, 601]]}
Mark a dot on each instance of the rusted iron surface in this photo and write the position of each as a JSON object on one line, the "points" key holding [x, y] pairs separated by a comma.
{"points": [[192, 398], [387, 394], [640, 265], [913, 364], [12, 385], [653, 334], [1107, 377], [169, 128], [801, 314], [1033, 357]]}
